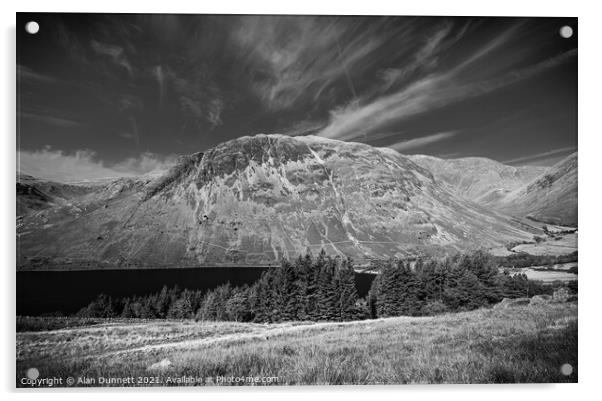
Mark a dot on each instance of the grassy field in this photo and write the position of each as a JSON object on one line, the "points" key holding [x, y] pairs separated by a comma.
{"points": [[562, 245], [540, 273], [517, 344]]}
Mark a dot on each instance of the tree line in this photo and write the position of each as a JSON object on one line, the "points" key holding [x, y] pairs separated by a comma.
{"points": [[523, 259], [453, 284], [323, 288]]}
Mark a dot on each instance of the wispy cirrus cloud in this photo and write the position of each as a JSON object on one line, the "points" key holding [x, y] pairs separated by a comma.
{"points": [[429, 93], [422, 141], [554, 153], [199, 99], [115, 53], [83, 165], [323, 50], [51, 120], [72, 44], [303, 128], [157, 71], [28, 75], [423, 59], [175, 83], [292, 59]]}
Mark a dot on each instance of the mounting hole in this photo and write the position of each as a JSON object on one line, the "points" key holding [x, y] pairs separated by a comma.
{"points": [[566, 31], [566, 369], [32, 373], [32, 27]]}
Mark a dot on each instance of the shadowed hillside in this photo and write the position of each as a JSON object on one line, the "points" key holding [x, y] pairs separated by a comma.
{"points": [[551, 197]]}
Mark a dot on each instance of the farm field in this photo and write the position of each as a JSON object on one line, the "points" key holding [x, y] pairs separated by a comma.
{"points": [[564, 244], [545, 275], [526, 343], [561, 243]]}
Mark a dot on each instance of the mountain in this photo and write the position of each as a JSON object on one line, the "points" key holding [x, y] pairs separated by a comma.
{"points": [[34, 194], [547, 194], [482, 180], [550, 198], [256, 199]]}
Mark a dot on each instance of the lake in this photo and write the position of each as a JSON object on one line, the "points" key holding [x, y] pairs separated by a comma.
{"points": [[42, 292]]}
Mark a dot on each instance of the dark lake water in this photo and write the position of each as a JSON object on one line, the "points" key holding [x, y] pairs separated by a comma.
{"points": [[40, 292]]}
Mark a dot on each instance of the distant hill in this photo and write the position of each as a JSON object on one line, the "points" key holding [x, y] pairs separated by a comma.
{"points": [[34, 194], [479, 179], [544, 194], [256, 199], [551, 197]]}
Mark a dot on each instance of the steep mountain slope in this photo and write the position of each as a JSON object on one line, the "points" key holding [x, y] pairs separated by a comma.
{"points": [[544, 194], [34, 194], [551, 197], [256, 199], [479, 179]]}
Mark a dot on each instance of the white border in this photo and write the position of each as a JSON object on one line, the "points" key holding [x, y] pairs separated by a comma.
{"points": [[590, 195]]}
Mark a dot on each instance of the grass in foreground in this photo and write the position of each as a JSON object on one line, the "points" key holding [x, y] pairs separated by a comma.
{"points": [[519, 344]]}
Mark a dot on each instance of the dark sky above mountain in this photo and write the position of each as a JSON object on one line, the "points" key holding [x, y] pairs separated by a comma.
{"points": [[115, 94]]}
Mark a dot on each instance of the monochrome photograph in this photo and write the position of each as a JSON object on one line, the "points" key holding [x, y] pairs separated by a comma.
{"points": [[295, 200]]}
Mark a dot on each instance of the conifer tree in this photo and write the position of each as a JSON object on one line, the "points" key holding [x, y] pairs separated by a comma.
{"points": [[409, 294], [314, 288], [181, 308], [304, 274], [386, 290], [347, 292], [288, 291], [327, 294], [127, 311], [260, 299], [208, 309], [164, 300], [237, 306]]}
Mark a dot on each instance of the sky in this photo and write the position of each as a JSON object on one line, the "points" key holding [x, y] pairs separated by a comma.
{"points": [[106, 95]]}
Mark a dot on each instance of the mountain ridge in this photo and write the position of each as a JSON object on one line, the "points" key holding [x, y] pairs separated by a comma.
{"points": [[551, 197], [478, 178], [546, 194], [257, 199]]}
